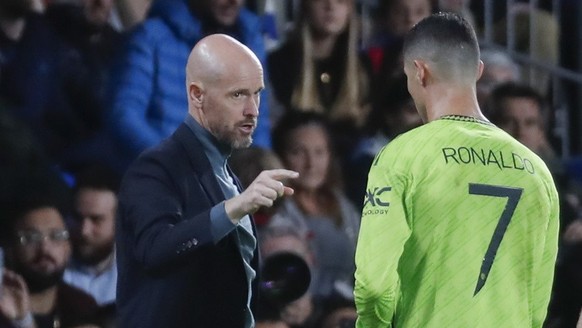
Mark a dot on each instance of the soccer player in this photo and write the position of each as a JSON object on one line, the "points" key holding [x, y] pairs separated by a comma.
{"points": [[460, 222]]}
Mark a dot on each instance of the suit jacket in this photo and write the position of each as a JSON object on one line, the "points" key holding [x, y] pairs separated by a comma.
{"points": [[171, 274]]}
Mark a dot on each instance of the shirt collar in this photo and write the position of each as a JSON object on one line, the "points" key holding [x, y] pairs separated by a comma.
{"points": [[216, 151]]}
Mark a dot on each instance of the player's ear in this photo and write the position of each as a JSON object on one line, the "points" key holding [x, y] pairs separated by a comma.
{"points": [[421, 73]]}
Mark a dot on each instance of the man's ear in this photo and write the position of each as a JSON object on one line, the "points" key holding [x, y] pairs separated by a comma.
{"points": [[195, 93], [480, 69], [421, 72]]}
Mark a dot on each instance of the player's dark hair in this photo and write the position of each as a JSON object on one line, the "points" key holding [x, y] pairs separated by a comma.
{"points": [[447, 40]]}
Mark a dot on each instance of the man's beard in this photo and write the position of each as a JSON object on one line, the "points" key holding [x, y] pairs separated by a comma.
{"points": [[93, 255], [241, 143], [40, 281], [223, 134]]}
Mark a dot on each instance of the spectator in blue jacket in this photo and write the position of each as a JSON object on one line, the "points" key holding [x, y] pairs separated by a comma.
{"points": [[42, 81], [149, 80]]}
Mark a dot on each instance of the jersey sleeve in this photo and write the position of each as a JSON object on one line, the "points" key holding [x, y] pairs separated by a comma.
{"points": [[384, 231], [543, 289]]}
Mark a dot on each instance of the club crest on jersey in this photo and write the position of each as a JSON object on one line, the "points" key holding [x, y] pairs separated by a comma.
{"points": [[375, 197]]}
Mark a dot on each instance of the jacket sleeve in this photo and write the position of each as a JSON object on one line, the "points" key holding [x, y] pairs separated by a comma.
{"points": [[383, 232], [161, 223], [131, 90]]}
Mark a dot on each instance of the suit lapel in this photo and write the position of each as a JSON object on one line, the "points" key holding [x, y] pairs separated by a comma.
{"points": [[199, 162], [201, 167]]}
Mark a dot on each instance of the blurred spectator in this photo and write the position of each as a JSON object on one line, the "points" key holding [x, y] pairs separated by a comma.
{"points": [[37, 251], [521, 111], [544, 46], [394, 113], [132, 12], [318, 208], [304, 311], [276, 16], [148, 81], [42, 81], [461, 7], [319, 69], [338, 312], [566, 300], [393, 18], [247, 163], [21, 158], [38, 6], [14, 302], [396, 17], [84, 25], [19, 149], [498, 67], [93, 267], [271, 324]]}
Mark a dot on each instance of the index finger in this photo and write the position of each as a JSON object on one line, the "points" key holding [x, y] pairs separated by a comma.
{"points": [[281, 174]]}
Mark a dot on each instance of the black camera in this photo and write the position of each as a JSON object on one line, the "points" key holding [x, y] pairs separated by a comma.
{"points": [[285, 277]]}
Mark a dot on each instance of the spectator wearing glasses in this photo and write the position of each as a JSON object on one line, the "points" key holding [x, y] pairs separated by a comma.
{"points": [[37, 249]]}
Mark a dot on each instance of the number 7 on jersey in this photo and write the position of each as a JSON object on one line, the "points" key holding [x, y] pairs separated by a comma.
{"points": [[513, 195]]}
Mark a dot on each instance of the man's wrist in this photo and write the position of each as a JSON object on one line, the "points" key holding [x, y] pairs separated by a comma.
{"points": [[233, 211]]}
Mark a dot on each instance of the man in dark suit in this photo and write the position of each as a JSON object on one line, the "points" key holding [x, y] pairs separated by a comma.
{"points": [[186, 243]]}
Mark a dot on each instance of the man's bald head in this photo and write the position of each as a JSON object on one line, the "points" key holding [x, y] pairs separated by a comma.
{"points": [[215, 56], [448, 43], [224, 80]]}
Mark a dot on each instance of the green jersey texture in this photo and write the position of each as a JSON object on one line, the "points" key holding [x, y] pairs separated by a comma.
{"points": [[459, 229]]}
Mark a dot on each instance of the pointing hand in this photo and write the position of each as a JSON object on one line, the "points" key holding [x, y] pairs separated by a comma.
{"points": [[263, 191]]}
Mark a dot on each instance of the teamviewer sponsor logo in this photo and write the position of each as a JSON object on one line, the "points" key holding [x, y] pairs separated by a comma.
{"points": [[375, 197], [375, 202]]}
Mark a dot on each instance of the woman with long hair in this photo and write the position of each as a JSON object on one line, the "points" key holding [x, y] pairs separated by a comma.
{"points": [[318, 208], [319, 67]]}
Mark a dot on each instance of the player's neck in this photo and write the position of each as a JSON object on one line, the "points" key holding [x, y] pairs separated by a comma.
{"points": [[447, 100]]}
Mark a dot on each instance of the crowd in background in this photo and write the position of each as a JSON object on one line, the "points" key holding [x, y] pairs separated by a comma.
{"points": [[87, 85]]}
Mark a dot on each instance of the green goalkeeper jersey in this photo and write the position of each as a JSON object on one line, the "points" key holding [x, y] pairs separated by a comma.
{"points": [[459, 229]]}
